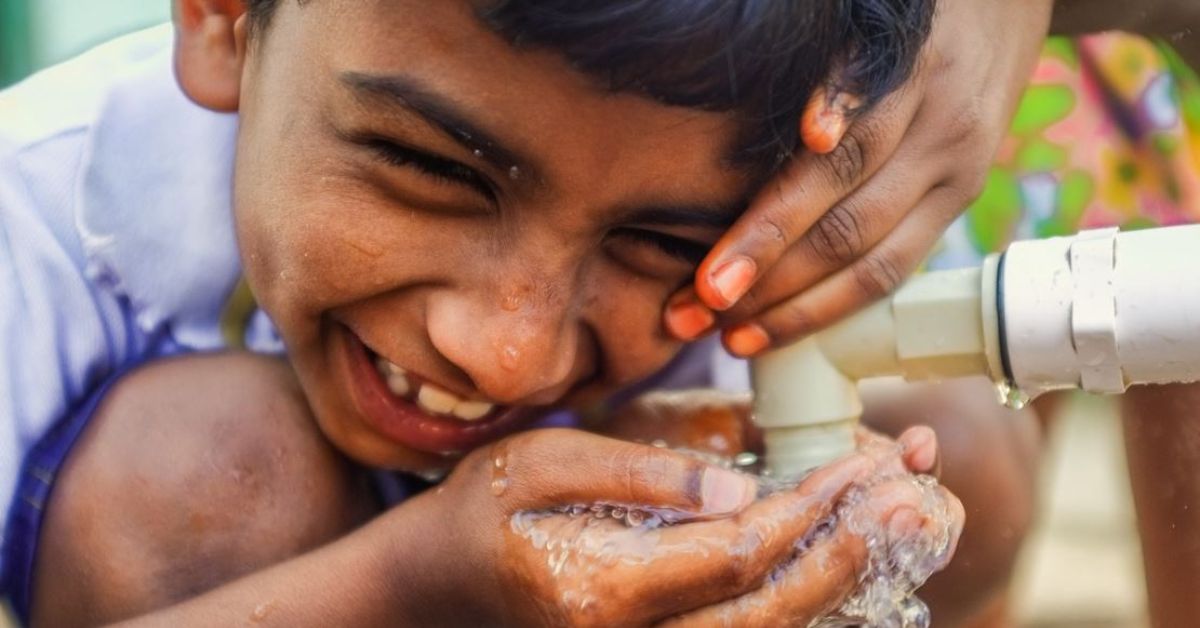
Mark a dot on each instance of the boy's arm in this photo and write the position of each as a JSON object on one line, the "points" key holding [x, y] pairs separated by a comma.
{"points": [[190, 474], [358, 580]]}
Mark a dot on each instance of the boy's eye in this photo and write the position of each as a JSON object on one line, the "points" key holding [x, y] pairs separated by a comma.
{"points": [[655, 253], [438, 168]]}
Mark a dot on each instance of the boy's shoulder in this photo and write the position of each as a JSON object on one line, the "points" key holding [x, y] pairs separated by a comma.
{"points": [[116, 232], [106, 161], [68, 97]]}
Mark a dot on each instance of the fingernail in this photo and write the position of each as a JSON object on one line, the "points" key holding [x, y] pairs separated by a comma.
{"points": [[726, 492], [822, 129], [687, 319], [915, 443], [747, 340], [732, 279], [832, 123], [824, 124]]}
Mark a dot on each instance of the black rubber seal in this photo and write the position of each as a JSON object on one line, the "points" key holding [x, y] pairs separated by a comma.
{"points": [[1002, 330]]}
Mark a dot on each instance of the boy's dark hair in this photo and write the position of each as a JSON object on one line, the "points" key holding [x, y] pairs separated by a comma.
{"points": [[761, 59]]}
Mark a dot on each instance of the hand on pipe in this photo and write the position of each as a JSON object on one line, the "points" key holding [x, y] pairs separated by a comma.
{"points": [[844, 222]]}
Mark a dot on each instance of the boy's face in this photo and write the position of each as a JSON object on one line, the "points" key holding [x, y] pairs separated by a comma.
{"points": [[411, 189]]}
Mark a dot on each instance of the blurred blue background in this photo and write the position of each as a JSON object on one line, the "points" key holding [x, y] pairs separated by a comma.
{"points": [[37, 33]]}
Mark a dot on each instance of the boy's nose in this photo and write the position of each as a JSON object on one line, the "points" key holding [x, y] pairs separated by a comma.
{"points": [[516, 349]]}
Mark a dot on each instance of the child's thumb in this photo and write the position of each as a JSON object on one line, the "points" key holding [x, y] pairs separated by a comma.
{"points": [[549, 468]]}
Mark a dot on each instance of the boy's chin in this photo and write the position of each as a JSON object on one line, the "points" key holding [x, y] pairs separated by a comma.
{"points": [[372, 450]]}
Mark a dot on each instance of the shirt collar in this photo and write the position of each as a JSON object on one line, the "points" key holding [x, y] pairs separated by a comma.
{"points": [[154, 203]]}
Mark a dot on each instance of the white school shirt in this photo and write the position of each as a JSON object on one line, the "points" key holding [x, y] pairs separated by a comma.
{"points": [[115, 230], [116, 234]]}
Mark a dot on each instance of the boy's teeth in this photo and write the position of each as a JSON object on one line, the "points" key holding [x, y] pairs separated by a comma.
{"points": [[386, 368], [472, 410], [398, 384], [432, 399]]}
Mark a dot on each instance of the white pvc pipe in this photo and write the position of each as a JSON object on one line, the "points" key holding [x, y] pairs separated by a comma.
{"points": [[1103, 310], [1099, 311]]}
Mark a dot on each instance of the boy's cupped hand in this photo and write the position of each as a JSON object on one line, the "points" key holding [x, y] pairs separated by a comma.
{"points": [[535, 551]]}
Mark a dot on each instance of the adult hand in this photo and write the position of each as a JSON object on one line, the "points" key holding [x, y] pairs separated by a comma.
{"points": [[844, 222]]}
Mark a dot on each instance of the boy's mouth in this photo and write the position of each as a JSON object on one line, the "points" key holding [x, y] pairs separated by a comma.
{"points": [[414, 412], [429, 397]]}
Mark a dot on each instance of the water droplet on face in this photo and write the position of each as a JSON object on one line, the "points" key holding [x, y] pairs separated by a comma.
{"points": [[514, 173], [509, 358], [478, 152], [262, 611], [432, 476], [500, 479]]}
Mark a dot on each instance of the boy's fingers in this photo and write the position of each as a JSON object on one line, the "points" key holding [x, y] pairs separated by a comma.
{"points": [[875, 275], [557, 467], [813, 586], [920, 449], [838, 238], [958, 514], [826, 118], [842, 235], [685, 317], [820, 579], [702, 563], [799, 195]]}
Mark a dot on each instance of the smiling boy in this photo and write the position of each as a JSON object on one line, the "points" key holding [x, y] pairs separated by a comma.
{"points": [[455, 216]]}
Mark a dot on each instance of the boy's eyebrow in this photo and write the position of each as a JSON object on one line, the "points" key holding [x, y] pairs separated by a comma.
{"points": [[409, 93], [687, 216]]}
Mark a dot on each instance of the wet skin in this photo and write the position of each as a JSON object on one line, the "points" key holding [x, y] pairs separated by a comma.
{"points": [[410, 186], [379, 214], [203, 471]]}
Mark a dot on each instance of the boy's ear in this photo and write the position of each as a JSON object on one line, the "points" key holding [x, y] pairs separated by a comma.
{"points": [[210, 48]]}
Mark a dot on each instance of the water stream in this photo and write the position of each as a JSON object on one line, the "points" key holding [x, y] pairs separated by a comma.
{"points": [[601, 536]]}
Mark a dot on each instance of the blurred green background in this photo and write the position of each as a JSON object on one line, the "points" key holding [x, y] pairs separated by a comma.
{"points": [[37, 33]]}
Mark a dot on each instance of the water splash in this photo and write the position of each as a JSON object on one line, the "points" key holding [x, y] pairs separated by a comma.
{"points": [[1011, 397], [896, 568], [596, 536]]}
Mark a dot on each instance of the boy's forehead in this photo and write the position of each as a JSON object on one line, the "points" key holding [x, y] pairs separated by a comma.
{"points": [[449, 48], [441, 57]]}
